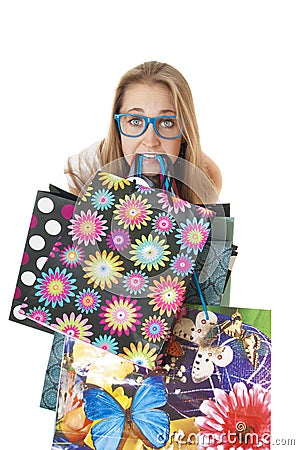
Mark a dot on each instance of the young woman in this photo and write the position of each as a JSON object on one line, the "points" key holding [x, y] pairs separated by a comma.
{"points": [[152, 113]]}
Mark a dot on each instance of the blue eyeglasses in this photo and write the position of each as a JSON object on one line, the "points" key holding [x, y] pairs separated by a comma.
{"points": [[134, 125]]}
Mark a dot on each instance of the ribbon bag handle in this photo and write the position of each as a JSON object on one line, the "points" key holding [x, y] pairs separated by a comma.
{"points": [[167, 183]]}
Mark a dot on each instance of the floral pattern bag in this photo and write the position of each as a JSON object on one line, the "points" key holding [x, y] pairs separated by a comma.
{"points": [[121, 272], [214, 263]]}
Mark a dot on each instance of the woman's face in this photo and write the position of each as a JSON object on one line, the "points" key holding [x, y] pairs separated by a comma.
{"points": [[151, 101]]}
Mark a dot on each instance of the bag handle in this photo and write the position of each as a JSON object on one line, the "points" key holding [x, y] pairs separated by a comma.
{"points": [[167, 183]]}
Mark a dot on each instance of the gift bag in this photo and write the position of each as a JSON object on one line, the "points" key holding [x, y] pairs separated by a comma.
{"points": [[52, 375], [219, 373], [121, 273], [225, 300], [50, 218], [217, 275], [212, 270], [106, 402], [212, 290], [217, 389]]}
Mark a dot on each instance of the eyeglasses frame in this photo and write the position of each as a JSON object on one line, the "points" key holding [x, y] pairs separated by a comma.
{"points": [[148, 120]]}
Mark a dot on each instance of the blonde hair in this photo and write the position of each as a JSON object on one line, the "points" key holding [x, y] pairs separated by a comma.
{"points": [[152, 73]]}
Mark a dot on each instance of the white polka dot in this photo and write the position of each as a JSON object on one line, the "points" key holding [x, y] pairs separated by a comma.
{"points": [[139, 181], [28, 278], [17, 312], [45, 205], [37, 242], [40, 262], [53, 227]]}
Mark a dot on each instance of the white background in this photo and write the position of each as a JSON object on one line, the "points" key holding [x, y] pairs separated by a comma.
{"points": [[61, 61]]}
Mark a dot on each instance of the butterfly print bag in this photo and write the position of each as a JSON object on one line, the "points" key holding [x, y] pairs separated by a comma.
{"points": [[212, 360], [106, 402]]}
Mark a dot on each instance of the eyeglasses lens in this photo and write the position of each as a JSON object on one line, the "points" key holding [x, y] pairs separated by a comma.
{"points": [[135, 125]]}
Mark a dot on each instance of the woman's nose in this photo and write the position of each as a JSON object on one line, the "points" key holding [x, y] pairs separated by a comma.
{"points": [[150, 138]]}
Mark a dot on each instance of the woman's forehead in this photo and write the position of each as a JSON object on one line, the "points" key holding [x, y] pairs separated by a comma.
{"points": [[148, 96]]}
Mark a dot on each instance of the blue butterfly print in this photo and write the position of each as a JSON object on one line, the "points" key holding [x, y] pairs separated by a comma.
{"points": [[150, 424]]}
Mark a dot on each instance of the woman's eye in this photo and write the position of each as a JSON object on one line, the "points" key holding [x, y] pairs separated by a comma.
{"points": [[167, 123], [135, 122]]}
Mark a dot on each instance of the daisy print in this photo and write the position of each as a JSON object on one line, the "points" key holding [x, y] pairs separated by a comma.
{"points": [[103, 200], [167, 295], [39, 314], [193, 235], [87, 227], [205, 212], [171, 202], [143, 356], [163, 223], [120, 315], [86, 194], [87, 300], [144, 189], [154, 329], [182, 264], [133, 212], [55, 287], [71, 256], [113, 181], [74, 326], [135, 282], [103, 269], [107, 343], [118, 239], [149, 252]]}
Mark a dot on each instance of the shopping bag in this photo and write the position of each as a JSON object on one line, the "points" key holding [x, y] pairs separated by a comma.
{"points": [[107, 402], [50, 218], [212, 290], [216, 390], [133, 249], [216, 275], [225, 299], [219, 372], [52, 375], [213, 268]]}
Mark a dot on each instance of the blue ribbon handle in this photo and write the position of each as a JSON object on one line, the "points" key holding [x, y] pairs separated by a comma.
{"points": [[200, 295]]}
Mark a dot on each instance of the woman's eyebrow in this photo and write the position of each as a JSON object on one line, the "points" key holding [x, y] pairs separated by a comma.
{"points": [[161, 112], [135, 109], [167, 111]]}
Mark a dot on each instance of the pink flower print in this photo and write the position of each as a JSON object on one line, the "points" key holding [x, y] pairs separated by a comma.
{"points": [[120, 315], [87, 228], [73, 326], [243, 415], [167, 295]]}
